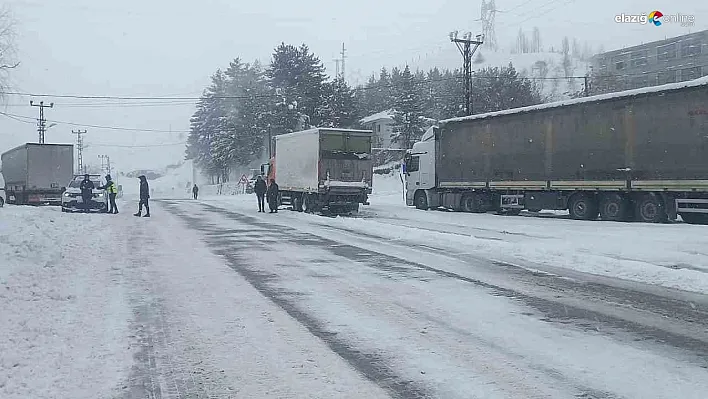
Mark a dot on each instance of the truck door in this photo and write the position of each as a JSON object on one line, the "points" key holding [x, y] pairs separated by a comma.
{"points": [[412, 168]]}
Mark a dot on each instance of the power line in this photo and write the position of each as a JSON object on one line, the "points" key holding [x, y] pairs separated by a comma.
{"points": [[137, 146], [538, 14], [95, 97], [516, 7], [14, 116]]}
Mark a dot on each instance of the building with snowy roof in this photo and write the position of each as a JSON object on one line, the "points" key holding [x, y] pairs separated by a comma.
{"points": [[671, 60], [381, 124]]}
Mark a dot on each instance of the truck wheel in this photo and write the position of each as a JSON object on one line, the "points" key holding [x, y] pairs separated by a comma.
{"points": [[2, 202], [650, 209], [614, 207], [473, 203], [582, 207], [421, 200]]}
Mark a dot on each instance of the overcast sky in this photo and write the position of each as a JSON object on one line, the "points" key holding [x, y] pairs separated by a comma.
{"points": [[169, 48]]}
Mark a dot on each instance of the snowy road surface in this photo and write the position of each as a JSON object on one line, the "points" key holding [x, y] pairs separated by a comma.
{"points": [[209, 299]]}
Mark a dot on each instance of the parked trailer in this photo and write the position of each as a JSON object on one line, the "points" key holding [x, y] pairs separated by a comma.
{"points": [[37, 173], [637, 155], [323, 169]]}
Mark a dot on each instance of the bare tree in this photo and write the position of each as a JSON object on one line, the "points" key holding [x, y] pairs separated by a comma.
{"points": [[536, 40], [7, 47]]}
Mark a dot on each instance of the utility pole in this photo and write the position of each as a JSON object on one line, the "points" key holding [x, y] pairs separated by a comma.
{"points": [[465, 47], [336, 63], [41, 122], [108, 163], [344, 75], [80, 148]]}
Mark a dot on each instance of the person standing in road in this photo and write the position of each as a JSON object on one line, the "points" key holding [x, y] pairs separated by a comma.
{"points": [[110, 187], [195, 191], [272, 196], [260, 188], [144, 196], [87, 188]]}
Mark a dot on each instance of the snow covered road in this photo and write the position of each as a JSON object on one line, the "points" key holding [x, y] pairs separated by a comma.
{"points": [[102, 306], [209, 299], [427, 321]]}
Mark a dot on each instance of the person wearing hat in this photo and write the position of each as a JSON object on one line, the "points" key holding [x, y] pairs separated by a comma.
{"points": [[112, 190], [144, 196], [86, 188]]}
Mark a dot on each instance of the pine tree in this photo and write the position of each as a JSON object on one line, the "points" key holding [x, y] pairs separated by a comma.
{"points": [[496, 89], [408, 118], [298, 78], [339, 107]]}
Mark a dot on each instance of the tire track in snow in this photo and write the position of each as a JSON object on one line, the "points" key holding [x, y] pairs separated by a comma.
{"points": [[373, 366], [156, 373]]}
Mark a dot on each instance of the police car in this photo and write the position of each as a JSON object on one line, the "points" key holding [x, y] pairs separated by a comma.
{"points": [[71, 200]]}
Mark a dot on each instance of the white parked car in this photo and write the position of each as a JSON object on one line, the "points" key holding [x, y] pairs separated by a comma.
{"points": [[71, 200], [3, 196]]}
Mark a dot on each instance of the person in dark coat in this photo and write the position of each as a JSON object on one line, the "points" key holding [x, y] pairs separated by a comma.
{"points": [[272, 196], [195, 191], [87, 188], [260, 188], [144, 196], [110, 187]]}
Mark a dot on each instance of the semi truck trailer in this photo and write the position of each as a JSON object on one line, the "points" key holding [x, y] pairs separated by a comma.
{"points": [[637, 155], [37, 173], [322, 169]]}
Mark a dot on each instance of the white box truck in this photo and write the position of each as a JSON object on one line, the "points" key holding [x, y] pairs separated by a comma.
{"points": [[37, 173], [322, 169]]}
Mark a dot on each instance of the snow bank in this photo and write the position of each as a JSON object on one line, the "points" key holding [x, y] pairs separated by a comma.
{"points": [[64, 322], [667, 255], [670, 255]]}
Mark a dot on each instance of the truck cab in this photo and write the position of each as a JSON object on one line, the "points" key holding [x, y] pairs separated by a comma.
{"points": [[420, 172], [2, 191]]}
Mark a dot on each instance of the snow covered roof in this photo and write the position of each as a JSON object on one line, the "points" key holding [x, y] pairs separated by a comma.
{"points": [[627, 93], [323, 129], [388, 114]]}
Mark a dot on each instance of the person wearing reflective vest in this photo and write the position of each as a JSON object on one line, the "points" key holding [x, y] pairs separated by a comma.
{"points": [[112, 190]]}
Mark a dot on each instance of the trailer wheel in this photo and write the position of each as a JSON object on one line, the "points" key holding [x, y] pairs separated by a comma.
{"points": [[614, 207], [582, 207], [421, 201], [650, 209], [473, 203]]}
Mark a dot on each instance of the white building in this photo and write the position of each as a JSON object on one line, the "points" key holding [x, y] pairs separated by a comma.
{"points": [[382, 125]]}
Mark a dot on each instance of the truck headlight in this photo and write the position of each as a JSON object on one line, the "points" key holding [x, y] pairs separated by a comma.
{"points": [[66, 194]]}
